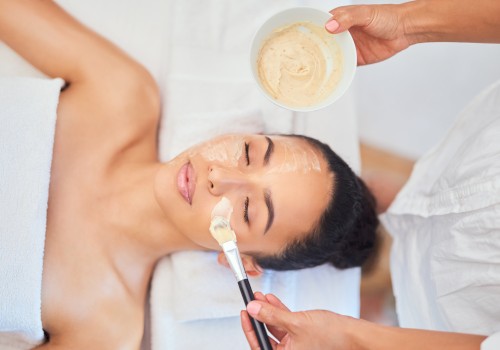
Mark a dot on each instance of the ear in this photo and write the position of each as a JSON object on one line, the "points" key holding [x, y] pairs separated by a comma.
{"points": [[251, 267]]}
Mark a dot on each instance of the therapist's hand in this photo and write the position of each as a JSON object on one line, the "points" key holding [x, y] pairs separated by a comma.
{"points": [[297, 330], [378, 30], [310, 330], [381, 31]]}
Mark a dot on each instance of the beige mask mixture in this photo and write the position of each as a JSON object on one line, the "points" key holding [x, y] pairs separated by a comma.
{"points": [[300, 64]]}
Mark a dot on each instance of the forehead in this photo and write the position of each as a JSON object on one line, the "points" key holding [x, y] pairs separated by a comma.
{"points": [[301, 188], [294, 154]]}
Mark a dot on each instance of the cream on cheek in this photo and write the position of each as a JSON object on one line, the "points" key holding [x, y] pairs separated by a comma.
{"points": [[296, 159], [223, 208], [228, 150], [220, 226]]}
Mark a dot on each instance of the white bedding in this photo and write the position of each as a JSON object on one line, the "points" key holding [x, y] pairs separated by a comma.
{"points": [[198, 53], [27, 126]]}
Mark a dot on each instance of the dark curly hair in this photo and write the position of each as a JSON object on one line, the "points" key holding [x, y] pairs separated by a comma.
{"points": [[345, 233]]}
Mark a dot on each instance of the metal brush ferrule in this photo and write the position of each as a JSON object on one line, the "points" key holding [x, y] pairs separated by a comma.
{"points": [[234, 259]]}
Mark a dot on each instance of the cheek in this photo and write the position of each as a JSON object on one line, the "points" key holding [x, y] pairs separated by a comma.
{"points": [[249, 241], [195, 223], [164, 188], [248, 246]]}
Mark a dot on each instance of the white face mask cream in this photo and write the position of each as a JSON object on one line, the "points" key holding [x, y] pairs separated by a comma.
{"points": [[296, 158], [299, 64], [220, 226], [228, 150]]}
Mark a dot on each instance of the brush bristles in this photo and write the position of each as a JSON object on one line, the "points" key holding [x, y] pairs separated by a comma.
{"points": [[221, 230]]}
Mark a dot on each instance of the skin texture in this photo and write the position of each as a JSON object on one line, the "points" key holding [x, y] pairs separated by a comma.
{"points": [[114, 209], [380, 31]]}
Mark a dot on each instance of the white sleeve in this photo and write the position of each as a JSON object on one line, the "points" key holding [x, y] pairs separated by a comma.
{"points": [[492, 342]]}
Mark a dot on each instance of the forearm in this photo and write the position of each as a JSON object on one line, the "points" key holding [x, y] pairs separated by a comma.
{"points": [[40, 32], [452, 20], [56, 43], [372, 336]]}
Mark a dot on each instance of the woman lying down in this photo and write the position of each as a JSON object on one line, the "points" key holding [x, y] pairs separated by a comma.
{"points": [[114, 209]]}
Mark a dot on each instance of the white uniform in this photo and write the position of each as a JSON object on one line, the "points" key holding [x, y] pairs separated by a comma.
{"points": [[445, 260]]}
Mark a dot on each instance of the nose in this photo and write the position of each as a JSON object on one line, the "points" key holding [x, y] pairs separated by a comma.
{"points": [[223, 180]]}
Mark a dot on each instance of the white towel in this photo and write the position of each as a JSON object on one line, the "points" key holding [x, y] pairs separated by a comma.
{"points": [[27, 125], [217, 108], [195, 302]]}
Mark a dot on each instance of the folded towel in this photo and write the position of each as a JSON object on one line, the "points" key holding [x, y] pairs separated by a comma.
{"points": [[27, 125], [195, 302], [220, 108], [204, 290]]}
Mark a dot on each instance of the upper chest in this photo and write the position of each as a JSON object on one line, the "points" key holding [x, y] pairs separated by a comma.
{"points": [[83, 292]]}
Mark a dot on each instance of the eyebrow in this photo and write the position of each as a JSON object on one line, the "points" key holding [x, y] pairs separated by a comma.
{"points": [[269, 151], [270, 209]]}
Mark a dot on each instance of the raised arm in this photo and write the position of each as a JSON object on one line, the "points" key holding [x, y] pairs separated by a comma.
{"points": [[381, 31], [108, 90], [57, 44], [452, 20]]}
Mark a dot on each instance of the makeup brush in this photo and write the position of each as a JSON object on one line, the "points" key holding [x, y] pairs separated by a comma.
{"points": [[225, 236]]}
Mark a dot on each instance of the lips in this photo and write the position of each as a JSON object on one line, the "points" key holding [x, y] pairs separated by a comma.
{"points": [[186, 182]]}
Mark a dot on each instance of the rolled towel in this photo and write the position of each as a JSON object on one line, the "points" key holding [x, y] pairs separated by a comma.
{"points": [[27, 126]]}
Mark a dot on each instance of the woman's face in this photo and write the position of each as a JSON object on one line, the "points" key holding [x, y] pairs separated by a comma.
{"points": [[278, 186]]}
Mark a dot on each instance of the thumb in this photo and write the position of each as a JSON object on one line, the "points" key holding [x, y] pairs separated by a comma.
{"points": [[269, 314], [345, 17]]}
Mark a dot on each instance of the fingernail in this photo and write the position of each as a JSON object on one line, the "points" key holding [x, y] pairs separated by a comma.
{"points": [[332, 25], [253, 308]]}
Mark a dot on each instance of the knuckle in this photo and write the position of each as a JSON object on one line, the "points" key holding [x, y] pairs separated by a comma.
{"points": [[367, 13], [340, 14]]}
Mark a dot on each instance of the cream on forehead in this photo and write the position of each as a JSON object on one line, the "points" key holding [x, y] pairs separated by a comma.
{"points": [[228, 150], [296, 158]]}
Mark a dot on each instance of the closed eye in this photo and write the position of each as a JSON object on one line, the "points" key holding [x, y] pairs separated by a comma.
{"points": [[245, 210], [247, 156]]}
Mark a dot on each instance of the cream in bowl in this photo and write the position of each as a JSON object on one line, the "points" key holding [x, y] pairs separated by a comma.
{"points": [[298, 64]]}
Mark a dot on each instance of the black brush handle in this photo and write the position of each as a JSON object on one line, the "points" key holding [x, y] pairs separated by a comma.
{"points": [[260, 330]]}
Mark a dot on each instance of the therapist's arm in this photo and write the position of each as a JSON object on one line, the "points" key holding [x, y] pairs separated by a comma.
{"points": [[381, 31], [327, 330]]}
